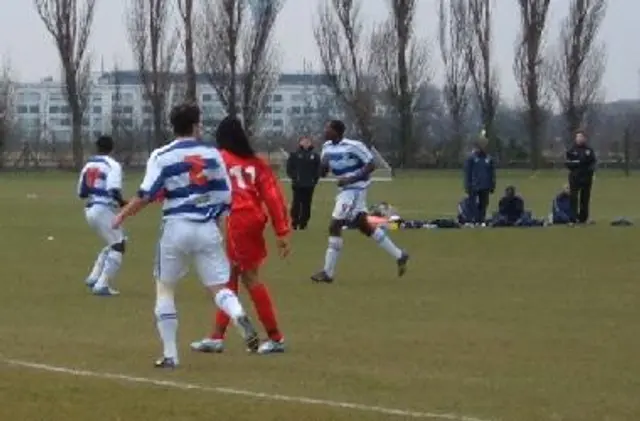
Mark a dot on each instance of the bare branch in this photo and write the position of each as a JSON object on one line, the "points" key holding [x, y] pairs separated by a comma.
{"points": [[528, 69], [154, 41], [579, 63], [345, 56], [69, 23], [186, 10]]}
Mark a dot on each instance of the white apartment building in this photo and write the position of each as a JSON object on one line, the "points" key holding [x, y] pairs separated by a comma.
{"points": [[41, 110]]}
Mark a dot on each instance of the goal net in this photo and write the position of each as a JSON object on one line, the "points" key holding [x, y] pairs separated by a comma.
{"points": [[383, 171]]}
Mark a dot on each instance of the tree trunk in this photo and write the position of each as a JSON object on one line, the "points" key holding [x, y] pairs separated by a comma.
{"points": [[76, 136], [158, 124]]}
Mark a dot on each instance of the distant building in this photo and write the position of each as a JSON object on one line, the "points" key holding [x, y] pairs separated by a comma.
{"points": [[41, 110]]}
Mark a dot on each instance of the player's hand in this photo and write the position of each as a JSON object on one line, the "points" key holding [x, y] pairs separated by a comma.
{"points": [[343, 181], [284, 248]]}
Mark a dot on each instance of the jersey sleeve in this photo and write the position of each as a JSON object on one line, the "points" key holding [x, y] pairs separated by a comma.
{"points": [[271, 194], [362, 152], [114, 178], [81, 188], [153, 181]]}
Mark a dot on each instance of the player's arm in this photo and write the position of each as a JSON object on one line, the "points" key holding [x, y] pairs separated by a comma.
{"points": [[114, 185], [271, 194], [82, 190], [324, 164], [151, 187]]}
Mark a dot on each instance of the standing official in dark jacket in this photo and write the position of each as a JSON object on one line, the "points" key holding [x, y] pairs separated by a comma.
{"points": [[581, 162], [480, 178], [303, 168]]}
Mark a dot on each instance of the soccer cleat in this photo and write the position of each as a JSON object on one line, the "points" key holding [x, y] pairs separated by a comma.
{"points": [[248, 332], [166, 362], [208, 345], [271, 347], [90, 282], [105, 292], [402, 264], [322, 277]]}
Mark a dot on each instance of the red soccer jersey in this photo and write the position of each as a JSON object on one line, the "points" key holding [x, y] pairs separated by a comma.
{"points": [[255, 187]]}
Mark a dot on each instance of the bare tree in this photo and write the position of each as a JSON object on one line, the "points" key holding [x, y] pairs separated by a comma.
{"points": [[454, 38], [6, 105], [480, 63], [528, 70], [238, 55], [187, 17], [154, 42], [69, 23], [345, 55], [579, 63], [400, 62]]}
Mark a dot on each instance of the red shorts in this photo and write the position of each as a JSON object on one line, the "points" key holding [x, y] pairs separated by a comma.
{"points": [[246, 245]]}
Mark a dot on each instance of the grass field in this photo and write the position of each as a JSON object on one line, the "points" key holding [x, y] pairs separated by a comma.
{"points": [[511, 325]]}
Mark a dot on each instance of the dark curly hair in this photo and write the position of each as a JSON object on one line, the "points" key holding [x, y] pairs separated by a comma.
{"points": [[231, 136]]}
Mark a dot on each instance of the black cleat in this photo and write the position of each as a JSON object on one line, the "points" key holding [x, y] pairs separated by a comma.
{"points": [[166, 363], [402, 264], [322, 277], [251, 338]]}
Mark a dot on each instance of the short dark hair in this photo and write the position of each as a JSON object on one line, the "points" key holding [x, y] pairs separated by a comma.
{"points": [[104, 144], [338, 126], [183, 118], [231, 136]]}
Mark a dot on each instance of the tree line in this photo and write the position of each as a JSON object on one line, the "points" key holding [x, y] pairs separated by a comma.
{"points": [[380, 78]]}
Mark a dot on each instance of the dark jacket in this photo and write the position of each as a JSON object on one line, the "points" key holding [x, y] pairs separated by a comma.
{"points": [[561, 209], [511, 208], [581, 162], [479, 173], [303, 167]]}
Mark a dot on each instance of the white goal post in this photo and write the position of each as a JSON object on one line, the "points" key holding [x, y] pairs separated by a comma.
{"points": [[383, 171]]}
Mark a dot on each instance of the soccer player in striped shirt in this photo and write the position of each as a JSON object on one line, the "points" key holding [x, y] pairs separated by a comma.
{"points": [[100, 185], [352, 163], [192, 180]]}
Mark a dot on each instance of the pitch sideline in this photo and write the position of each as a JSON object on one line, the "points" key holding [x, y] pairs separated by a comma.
{"points": [[237, 392]]}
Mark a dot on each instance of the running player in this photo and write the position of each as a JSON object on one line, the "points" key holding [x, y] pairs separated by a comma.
{"points": [[254, 186], [352, 163], [196, 197], [100, 185]]}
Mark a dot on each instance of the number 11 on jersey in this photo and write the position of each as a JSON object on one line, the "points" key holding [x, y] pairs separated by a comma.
{"points": [[244, 176]]}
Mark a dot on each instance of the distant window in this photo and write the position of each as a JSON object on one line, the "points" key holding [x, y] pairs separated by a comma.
{"points": [[127, 110], [296, 110], [278, 123], [277, 98], [34, 109], [23, 110], [207, 97], [97, 110], [54, 110]]}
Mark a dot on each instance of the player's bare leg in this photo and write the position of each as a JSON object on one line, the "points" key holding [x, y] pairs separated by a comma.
{"points": [[215, 342], [380, 236], [263, 304], [333, 252]]}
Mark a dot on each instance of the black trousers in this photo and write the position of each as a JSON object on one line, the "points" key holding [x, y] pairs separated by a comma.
{"points": [[580, 199], [301, 206], [481, 199]]}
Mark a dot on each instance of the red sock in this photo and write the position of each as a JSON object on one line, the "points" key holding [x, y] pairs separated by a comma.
{"points": [[264, 307], [221, 319]]}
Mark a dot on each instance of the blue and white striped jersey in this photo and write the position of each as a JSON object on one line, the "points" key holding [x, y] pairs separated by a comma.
{"points": [[100, 176], [192, 179], [347, 158]]}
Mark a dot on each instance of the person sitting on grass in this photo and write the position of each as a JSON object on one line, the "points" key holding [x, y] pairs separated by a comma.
{"points": [[561, 208], [511, 211]]}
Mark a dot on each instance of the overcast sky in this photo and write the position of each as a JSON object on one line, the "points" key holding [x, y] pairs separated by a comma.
{"points": [[33, 56]]}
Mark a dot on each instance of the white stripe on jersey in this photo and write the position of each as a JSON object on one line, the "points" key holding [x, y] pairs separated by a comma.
{"points": [[98, 178], [192, 178], [347, 158]]}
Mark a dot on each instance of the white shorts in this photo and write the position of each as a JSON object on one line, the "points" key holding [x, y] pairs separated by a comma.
{"points": [[349, 203], [100, 218], [181, 240]]}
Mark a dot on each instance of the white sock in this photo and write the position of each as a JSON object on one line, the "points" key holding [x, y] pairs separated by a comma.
{"points": [[331, 257], [112, 262], [167, 324], [227, 301], [385, 242], [99, 264]]}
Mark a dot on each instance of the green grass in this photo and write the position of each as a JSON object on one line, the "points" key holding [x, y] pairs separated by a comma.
{"points": [[512, 325]]}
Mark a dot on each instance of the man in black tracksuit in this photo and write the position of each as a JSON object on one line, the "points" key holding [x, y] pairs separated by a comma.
{"points": [[303, 168], [581, 162]]}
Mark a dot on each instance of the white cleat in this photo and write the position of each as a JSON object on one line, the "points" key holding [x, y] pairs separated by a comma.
{"points": [[271, 347], [208, 345], [105, 292]]}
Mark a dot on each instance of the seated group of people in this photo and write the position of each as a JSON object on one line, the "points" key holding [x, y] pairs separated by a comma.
{"points": [[512, 212]]}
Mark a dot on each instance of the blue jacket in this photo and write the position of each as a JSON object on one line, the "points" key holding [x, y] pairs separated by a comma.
{"points": [[511, 208], [479, 173], [467, 211], [561, 209]]}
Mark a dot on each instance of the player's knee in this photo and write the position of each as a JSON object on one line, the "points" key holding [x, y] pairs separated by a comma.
{"points": [[363, 225], [119, 247], [165, 300], [335, 228], [249, 278]]}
